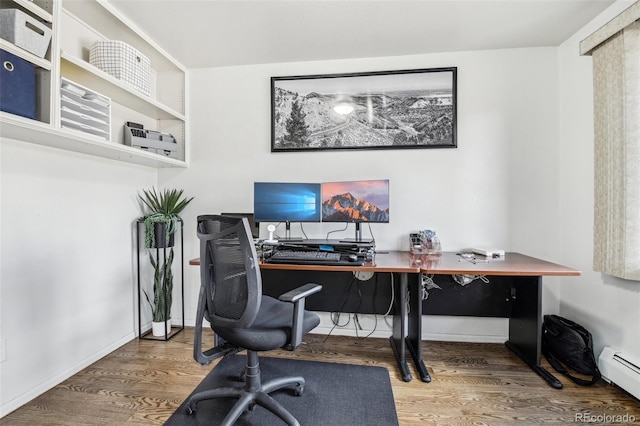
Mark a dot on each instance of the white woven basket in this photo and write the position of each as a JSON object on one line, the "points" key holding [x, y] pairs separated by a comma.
{"points": [[123, 62]]}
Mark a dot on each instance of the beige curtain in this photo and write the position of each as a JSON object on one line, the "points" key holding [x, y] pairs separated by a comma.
{"points": [[616, 82]]}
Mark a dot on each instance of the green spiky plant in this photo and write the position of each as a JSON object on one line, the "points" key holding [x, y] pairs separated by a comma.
{"points": [[164, 207], [162, 298], [161, 207]]}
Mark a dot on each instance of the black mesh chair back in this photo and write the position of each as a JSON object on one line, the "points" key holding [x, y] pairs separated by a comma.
{"points": [[230, 272]]}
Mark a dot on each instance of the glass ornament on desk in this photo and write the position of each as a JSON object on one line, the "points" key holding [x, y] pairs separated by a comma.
{"points": [[430, 242], [416, 245], [435, 248]]}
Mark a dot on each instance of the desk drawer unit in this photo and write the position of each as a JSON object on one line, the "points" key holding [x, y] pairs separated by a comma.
{"points": [[83, 110]]}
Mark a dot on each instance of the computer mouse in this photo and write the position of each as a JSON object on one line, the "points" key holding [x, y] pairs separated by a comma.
{"points": [[353, 258]]}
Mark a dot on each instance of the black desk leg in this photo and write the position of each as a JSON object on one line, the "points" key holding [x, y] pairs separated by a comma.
{"points": [[407, 329], [398, 337], [525, 325], [414, 335]]}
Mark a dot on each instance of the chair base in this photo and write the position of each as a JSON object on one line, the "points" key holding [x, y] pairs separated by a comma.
{"points": [[253, 393]]}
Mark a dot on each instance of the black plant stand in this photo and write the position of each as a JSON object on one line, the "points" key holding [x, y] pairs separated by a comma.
{"points": [[161, 255]]}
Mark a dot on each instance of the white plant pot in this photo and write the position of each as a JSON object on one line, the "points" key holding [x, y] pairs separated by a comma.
{"points": [[158, 328]]}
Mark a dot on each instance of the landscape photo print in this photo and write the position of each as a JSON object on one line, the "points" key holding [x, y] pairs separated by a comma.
{"points": [[376, 110]]}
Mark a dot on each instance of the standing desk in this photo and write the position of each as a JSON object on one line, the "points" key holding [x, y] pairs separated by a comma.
{"points": [[525, 321], [394, 262]]}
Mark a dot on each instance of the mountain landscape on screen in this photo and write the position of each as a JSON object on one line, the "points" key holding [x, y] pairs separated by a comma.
{"points": [[347, 208]]}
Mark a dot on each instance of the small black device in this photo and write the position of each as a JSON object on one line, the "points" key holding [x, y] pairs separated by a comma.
{"points": [[134, 125], [255, 226]]}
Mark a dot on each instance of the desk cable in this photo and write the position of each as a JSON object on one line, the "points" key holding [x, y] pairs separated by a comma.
{"points": [[465, 279], [346, 225], [427, 283], [335, 316], [375, 316], [301, 228], [471, 257], [393, 300], [373, 237]]}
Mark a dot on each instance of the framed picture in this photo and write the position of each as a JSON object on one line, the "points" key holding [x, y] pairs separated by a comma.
{"points": [[374, 110]]}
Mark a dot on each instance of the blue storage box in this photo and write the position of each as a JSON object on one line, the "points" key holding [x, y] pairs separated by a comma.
{"points": [[17, 85]]}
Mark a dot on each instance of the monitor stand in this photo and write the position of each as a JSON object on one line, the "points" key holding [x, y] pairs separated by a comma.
{"points": [[358, 238], [287, 235]]}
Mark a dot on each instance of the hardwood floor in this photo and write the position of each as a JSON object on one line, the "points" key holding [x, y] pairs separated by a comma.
{"points": [[144, 381]]}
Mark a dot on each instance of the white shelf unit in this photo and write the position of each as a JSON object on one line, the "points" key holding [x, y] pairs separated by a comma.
{"points": [[77, 25], [42, 10]]}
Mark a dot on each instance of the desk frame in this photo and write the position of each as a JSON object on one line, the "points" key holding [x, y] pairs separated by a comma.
{"points": [[406, 328], [525, 321]]}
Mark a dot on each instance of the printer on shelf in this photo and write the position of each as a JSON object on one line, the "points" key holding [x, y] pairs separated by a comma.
{"points": [[150, 140]]}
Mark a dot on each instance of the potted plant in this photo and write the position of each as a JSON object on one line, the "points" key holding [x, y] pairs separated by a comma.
{"points": [[161, 215]]}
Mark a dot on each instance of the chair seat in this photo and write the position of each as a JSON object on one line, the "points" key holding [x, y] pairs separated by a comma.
{"points": [[271, 328]]}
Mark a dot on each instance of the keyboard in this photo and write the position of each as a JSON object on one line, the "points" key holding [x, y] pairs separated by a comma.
{"points": [[310, 257]]}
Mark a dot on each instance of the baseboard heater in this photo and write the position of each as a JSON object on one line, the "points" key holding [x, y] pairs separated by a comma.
{"points": [[620, 369]]}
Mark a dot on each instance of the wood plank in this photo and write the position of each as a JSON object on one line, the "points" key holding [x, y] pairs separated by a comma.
{"points": [[144, 381]]}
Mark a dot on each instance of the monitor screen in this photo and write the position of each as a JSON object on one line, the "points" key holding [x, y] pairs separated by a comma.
{"points": [[356, 201], [286, 202]]}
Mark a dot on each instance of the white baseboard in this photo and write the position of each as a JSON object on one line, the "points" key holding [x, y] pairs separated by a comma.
{"points": [[59, 378], [435, 328]]}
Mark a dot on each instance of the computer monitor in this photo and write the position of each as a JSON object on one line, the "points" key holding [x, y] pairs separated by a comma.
{"points": [[356, 201], [286, 202], [255, 227]]}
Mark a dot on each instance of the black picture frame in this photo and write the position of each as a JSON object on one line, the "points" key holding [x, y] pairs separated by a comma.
{"points": [[367, 110]]}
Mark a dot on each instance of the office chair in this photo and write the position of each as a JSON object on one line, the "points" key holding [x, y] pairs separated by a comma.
{"points": [[242, 317]]}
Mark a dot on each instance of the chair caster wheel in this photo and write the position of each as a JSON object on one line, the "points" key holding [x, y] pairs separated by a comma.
{"points": [[190, 410], [298, 390], [251, 406]]}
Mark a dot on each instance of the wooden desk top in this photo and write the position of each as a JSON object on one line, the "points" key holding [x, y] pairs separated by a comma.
{"points": [[448, 263], [511, 264]]}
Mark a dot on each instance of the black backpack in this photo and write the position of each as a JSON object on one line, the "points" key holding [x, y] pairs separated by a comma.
{"points": [[566, 344]]}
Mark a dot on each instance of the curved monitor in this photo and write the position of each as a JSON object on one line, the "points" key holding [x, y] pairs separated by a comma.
{"points": [[356, 201], [286, 202]]}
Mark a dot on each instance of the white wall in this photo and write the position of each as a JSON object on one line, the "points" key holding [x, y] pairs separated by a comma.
{"points": [[67, 281], [607, 306], [507, 115], [521, 179]]}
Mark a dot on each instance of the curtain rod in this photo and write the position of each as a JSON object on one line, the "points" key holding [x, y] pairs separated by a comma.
{"points": [[617, 24]]}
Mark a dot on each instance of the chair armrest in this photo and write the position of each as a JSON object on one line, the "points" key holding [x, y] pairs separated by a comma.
{"points": [[300, 292], [297, 297]]}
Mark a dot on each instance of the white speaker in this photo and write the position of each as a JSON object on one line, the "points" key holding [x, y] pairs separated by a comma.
{"points": [[271, 228]]}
